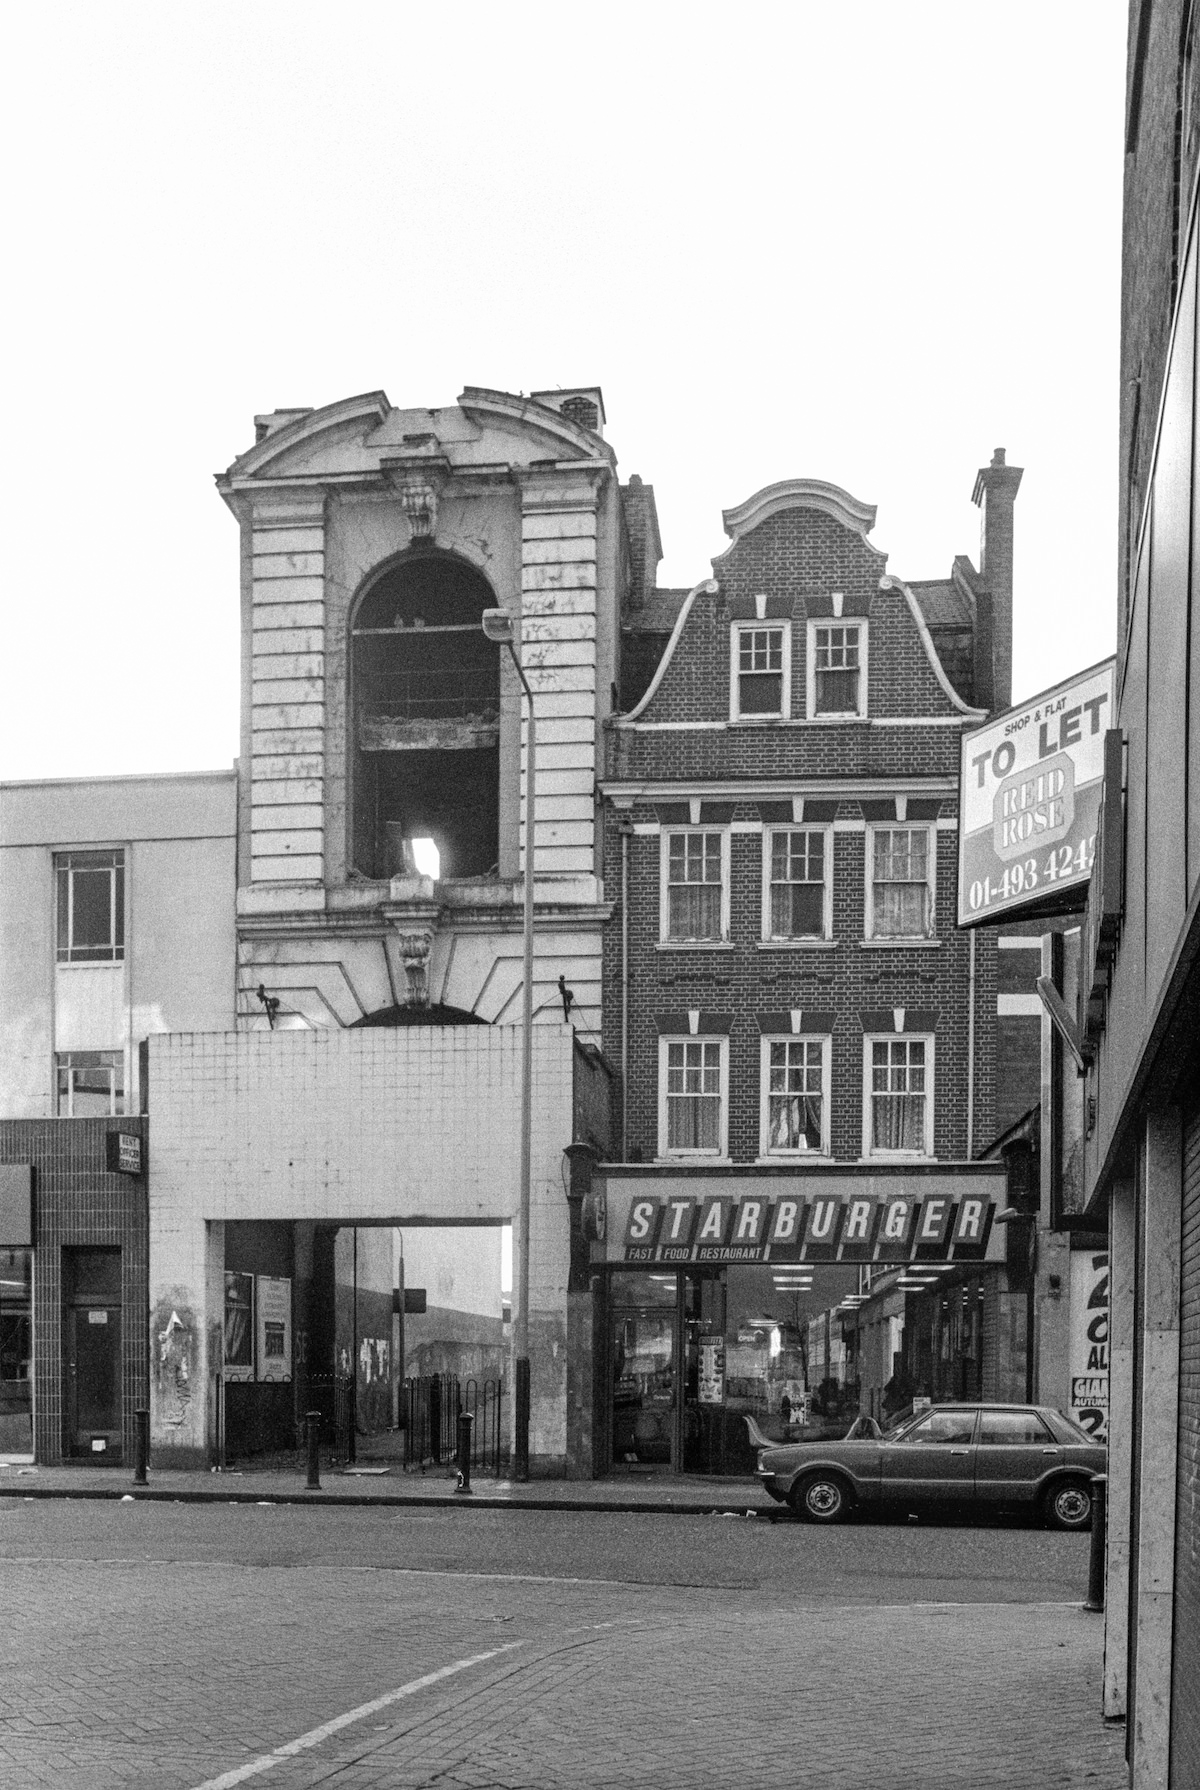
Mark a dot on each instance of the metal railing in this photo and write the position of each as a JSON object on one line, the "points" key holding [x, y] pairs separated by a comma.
{"points": [[430, 1408], [456, 693]]}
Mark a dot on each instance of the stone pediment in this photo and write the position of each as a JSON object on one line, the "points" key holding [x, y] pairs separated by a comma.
{"points": [[363, 439]]}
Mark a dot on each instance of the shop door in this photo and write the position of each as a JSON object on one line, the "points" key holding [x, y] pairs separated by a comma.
{"points": [[644, 1332], [92, 1354], [95, 1369]]}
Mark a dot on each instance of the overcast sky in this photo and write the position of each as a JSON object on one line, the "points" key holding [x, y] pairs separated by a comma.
{"points": [[863, 243]]}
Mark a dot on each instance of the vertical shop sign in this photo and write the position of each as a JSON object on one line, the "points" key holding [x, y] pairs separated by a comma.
{"points": [[1089, 1342], [711, 1383]]}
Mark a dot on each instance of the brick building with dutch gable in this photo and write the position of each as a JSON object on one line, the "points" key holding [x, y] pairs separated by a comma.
{"points": [[808, 1044]]}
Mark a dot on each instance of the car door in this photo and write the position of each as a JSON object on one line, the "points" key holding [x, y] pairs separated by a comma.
{"points": [[934, 1459], [1014, 1451]]}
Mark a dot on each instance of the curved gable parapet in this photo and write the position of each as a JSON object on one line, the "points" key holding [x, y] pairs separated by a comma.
{"points": [[708, 587], [368, 408], [488, 406], [800, 494], [891, 582]]}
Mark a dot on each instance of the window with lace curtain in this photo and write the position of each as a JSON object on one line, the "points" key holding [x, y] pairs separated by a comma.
{"points": [[796, 906], [692, 1096], [796, 1099], [901, 896], [899, 1096], [694, 892]]}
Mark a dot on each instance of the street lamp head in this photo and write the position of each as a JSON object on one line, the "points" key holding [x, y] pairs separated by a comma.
{"points": [[498, 626]]}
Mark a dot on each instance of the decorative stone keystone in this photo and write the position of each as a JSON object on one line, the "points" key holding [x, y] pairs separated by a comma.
{"points": [[414, 912]]}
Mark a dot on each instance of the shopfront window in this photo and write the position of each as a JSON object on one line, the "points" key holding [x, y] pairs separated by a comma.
{"points": [[16, 1352], [698, 1352]]}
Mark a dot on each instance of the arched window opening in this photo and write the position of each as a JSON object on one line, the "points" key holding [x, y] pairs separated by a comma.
{"points": [[426, 715]]}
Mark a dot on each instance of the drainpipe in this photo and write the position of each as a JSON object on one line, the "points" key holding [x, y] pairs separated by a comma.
{"points": [[971, 1045]]}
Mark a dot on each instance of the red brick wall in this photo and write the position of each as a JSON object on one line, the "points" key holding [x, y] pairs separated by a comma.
{"points": [[801, 556]]}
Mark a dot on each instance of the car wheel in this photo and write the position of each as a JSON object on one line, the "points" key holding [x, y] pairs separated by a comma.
{"points": [[1068, 1504], [821, 1498]]}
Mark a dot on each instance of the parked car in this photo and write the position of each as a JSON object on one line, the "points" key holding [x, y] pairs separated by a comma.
{"points": [[986, 1456]]}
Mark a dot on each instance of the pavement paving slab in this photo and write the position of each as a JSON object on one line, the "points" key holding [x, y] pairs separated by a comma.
{"points": [[197, 1648]]}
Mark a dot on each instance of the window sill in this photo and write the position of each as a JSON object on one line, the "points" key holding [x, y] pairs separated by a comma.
{"points": [[836, 720], [798, 944], [898, 1156], [95, 963], [694, 945], [758, 720], [901, 944], [702, 1157], [793, 1159]]}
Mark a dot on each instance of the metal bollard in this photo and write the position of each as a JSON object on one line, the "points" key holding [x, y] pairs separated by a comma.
{"points": [[521, 1414], [141, 1446], [1095, 1596], [312, 1429], [465, 1421]]}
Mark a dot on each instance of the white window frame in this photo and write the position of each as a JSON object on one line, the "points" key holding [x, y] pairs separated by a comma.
{"points": [[870, 1039], [815, 624], [118, 1093], [721, 1041], [69, 863], [931, 848], [664, 905], [801, 938], [784, 630], [774, 1152]]}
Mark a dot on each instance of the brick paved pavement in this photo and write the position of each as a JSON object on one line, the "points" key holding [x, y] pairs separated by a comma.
{"points": [[165, 1673]]}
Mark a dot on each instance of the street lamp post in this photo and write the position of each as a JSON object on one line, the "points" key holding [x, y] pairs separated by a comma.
{"points": [[498, 625]]}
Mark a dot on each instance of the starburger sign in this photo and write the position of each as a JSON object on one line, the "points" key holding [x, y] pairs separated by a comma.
{"points": [[1029, 800], [752, 1227]]}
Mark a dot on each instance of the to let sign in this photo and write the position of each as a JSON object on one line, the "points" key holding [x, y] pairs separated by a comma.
{"points": [[1029, 799]]}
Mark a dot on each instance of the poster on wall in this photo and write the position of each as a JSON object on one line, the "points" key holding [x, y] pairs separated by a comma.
{"points": [[711, 1385], [1089, 1342], [274, 1301], [1029, 801], [239, 1326]]}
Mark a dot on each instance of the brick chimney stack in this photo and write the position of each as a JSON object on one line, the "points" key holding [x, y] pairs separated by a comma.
{"points": [[995, 492]]}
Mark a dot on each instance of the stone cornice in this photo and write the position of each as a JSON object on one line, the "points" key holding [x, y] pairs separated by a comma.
{"points": [[482, 404], [372, 407]]}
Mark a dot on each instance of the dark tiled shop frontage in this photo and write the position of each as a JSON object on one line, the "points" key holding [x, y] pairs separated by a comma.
{"points": [[74, 1288]]}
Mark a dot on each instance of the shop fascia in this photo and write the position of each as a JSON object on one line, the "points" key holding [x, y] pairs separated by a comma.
{"points": [[688, 1217]]}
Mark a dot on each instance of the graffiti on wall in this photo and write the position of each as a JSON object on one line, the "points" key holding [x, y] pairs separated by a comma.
{"points": [[174, 1334]]}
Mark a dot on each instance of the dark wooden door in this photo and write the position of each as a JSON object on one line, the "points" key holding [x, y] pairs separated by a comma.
{"points": [[94, 1382]]}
